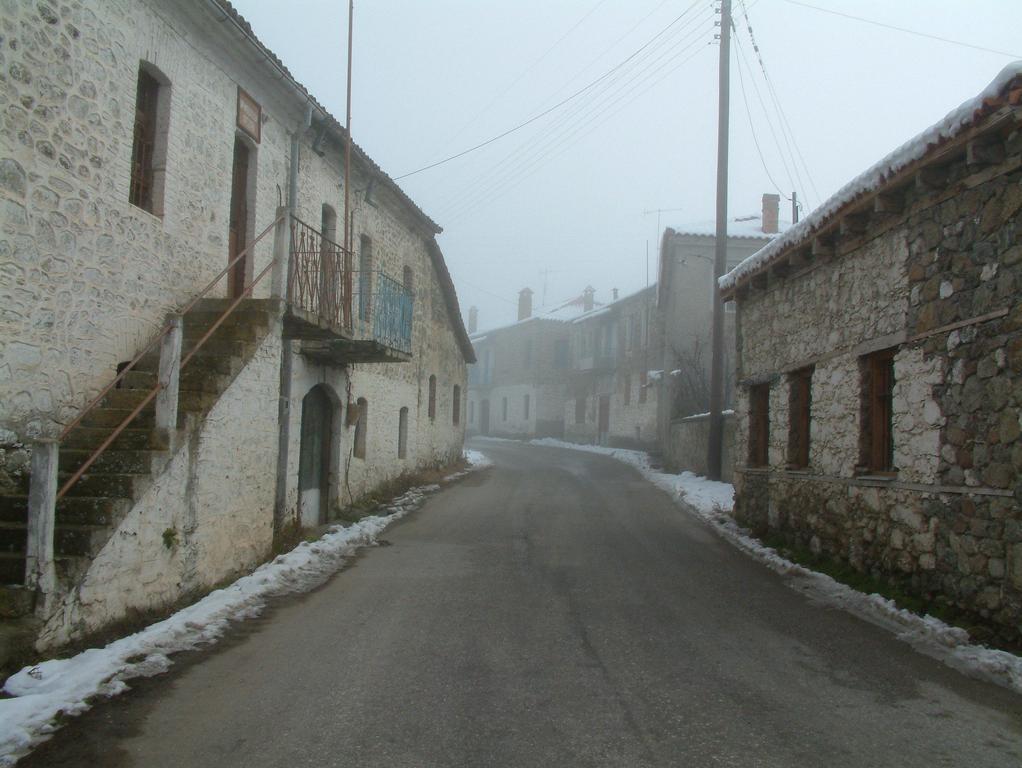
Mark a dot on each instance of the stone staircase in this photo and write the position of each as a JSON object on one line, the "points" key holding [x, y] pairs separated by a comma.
{"points": [[90, 512]]}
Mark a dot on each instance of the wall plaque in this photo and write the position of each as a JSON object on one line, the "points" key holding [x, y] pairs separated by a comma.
{"points": [[249, 115]]}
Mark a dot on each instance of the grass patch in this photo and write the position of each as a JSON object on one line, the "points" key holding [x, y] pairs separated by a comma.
{"points": [[843, 572]]}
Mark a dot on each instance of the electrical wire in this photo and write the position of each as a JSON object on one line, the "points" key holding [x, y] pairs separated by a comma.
{"points": [[785, 125], [905, 30], [554, 142], [755, 138], [528, 69], [547, 111], [494, 176], [564, 146]]}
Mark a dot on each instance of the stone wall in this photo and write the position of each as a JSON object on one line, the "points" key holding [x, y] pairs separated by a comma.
{"points": [[946, 525], [207, 517], [689, 440]]}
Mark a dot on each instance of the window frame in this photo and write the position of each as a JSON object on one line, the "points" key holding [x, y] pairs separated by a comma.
{"points": [[800, 404], [876, 439], [759, 425]]}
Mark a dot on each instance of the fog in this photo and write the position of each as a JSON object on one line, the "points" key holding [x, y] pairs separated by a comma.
{"points": [[571, 199]]}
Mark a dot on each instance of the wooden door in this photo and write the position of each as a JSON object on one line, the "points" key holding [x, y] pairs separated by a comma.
{"points": [[484, 417], [314, 458], [238, 226], [604, 422]]}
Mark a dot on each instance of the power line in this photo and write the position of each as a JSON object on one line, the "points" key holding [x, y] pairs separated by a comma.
{"points": [[547, 111], [905, 30], [553, 144], [752, 129], [786, 131], [558, 150], [528, 69], [562, 128]]}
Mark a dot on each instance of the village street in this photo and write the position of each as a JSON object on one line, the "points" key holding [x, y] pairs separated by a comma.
{"points": [[554, 610]]}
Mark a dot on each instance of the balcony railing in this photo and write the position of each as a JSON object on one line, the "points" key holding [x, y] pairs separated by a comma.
{"points": [[334, 298]]}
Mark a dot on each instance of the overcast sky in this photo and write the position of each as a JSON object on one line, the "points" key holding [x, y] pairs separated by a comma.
{"points": [[562, 203]]}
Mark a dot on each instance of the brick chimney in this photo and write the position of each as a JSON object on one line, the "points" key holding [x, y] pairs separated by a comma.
{"points": [[525, 303], [771, 203], [587, 298], [473, 319]]}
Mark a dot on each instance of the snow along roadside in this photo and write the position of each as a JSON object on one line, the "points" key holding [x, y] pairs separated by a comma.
{"points": [[67, 686], [713, 502]]}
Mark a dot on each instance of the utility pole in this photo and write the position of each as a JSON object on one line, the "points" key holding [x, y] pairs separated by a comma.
{"points": [[794, 207], [347, 180], [713, 457]]}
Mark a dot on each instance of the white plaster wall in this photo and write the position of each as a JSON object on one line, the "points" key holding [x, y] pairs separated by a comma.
{"points": [[88, 278], [216, 495]]}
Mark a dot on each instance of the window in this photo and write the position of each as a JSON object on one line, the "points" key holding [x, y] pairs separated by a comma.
{"points": [[402, 433], [800, 393], [580, 410], [643, 386], [431, 409], [759, 425], [456, 405], [149, 142], [525, 407], [528, 352], [471, 411], [627, 390], [365, 277], [876, 442], [409, 280], [361, 427], [504, 409], [561, 353]]}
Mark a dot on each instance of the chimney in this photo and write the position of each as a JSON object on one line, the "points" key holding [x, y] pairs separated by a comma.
{"points": [[613, 292], [587, 298], [771, 203], [525, 303], [473, 319]]}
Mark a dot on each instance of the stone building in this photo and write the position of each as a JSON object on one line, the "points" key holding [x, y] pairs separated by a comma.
{"points": [[611, 397], [517, 386], [879, 367], [172, 203], [685, 312]]}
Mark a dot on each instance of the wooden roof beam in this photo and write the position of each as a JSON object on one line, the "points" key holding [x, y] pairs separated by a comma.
{"points": [[985, 150], [931, 178], [889, 202], [822, 249], [854, 223]]}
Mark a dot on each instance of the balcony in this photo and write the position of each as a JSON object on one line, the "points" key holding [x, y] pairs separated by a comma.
{"points": [[340, 314]]}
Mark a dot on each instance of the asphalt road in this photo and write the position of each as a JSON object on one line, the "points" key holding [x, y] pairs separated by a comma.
{"points": [[555, 610]]}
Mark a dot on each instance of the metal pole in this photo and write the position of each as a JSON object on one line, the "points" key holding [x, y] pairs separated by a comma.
{"points": [[715, 443], [794, 207], [347, 138]]}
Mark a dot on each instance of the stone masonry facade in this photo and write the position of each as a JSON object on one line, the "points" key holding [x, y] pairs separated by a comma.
{"points": [[936, 279], [88, 278]]}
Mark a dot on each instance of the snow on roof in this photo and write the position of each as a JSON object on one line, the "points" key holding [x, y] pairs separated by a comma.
{"points": [[875, 176], [563, 312], [607, 307], [738, 226]]}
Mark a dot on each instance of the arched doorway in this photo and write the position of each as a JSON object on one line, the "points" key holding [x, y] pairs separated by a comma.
{"points": [[314, 458]]}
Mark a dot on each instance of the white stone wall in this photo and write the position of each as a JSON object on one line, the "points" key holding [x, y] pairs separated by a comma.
{"points": [[88, 278], [206, 517]]}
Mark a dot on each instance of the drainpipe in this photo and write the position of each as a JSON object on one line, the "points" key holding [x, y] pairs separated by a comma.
{"points": [[286, 350]]}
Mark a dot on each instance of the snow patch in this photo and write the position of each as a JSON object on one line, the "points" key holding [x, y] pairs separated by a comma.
{"points": [[713, 502], [874, 176], [67, 686]]}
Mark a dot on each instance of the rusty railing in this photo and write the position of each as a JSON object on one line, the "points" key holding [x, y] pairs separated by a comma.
{"points": [[246, 293]]}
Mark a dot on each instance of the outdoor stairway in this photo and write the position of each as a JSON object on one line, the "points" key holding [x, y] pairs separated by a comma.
{"points": [[88, 515]]}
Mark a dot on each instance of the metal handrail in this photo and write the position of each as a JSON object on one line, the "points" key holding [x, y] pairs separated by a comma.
{"points": [[163, 332]]}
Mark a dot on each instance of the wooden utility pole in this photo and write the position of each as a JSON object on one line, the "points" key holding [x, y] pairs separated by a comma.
{"points": [[715, 443]]}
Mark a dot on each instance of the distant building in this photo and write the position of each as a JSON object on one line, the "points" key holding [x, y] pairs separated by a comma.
{"points": [[879, 365], [612, 398], [685, 312], [517, 386]]}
